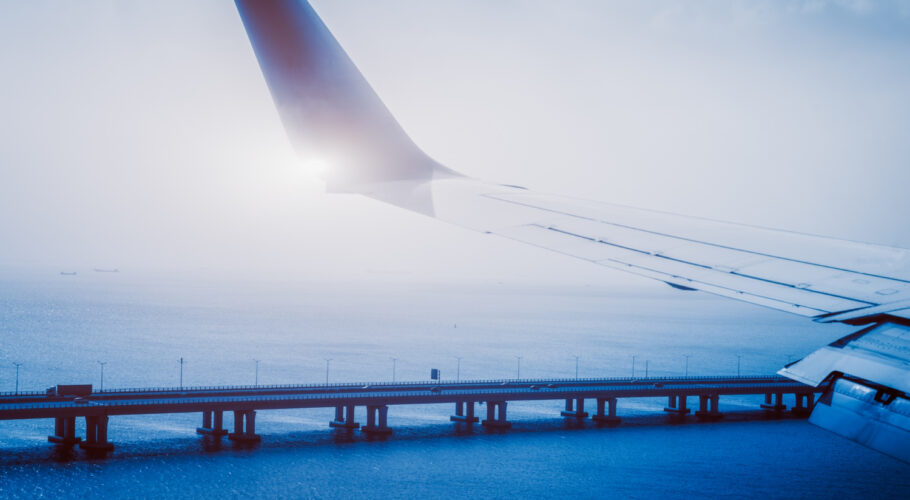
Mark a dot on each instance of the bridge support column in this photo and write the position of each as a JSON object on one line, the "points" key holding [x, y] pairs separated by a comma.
{"points": [[777, 404], [344, 418], [677, 404], [496, 415], [244, 426], [377, 420], [212, 424], [64, 431], [707, 407], [464, 412], [805, 401], [96, 434], [606, 411], [578, 411]]}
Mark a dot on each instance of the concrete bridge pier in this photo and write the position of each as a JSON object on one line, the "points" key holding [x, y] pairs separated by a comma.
{"points": [[708, 407], [677, 404], [496, 415], [775, 404], [377, 420], [344, 417], [601, 416], [244, 426], [96, 434], [64, 431], [805, 402], [212, 424], [578, 411], [464, 412]]}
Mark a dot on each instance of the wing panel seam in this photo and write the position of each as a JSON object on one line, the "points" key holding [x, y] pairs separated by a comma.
{"points": [[692, 240]]}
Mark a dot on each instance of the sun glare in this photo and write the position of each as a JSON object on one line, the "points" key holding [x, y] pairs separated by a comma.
{"points": [[316, 167]]}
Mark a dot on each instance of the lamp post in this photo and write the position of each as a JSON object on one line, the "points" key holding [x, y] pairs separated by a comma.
{"points": [[17, 376], [458, 369], [256, 380], [181, 372], [518, 371], [327, 360], [633, 366], [687, 365], [394, 366], [576, 366], [102, 363], [646, 367], [738, 358]]}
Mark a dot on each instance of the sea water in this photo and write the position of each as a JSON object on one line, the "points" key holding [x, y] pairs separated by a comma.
{"points": [[60, 327]]}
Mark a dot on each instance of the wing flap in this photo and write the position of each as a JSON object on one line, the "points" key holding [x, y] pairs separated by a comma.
{"points": [[861, 414]]}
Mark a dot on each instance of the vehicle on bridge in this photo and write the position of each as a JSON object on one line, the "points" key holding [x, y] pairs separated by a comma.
{"points": [[62, 390]]}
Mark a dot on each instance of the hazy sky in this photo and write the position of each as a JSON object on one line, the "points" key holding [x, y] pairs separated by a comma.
{"points": [[141, 135]]}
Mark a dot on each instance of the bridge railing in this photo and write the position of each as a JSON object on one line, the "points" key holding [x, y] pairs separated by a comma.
{"points": [[23, 393], [707, 378]]}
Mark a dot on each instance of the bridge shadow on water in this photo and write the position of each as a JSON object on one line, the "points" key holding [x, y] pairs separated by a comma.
{"points": [[346, 438]]}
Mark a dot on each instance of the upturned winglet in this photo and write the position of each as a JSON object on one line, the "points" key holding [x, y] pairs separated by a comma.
{"points": [[329, 110]]}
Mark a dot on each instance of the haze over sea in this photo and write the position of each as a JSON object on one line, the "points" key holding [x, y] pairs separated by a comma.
{"points": [[59, 327]]}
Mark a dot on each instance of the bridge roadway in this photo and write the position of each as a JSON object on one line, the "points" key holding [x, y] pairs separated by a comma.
{"points": [[244, 401]]}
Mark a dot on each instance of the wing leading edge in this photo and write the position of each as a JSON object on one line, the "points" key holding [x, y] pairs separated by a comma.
{"points": [[330, 111]]}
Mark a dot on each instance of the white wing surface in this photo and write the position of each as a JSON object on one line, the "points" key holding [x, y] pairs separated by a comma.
{"points": [[807, 275], [330, 111]]}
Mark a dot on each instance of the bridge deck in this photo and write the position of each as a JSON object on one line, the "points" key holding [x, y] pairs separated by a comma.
{"points": [[227, 398]]}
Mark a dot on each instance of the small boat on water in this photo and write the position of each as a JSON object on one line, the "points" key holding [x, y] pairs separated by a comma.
{"points": [[106, 270], [67, 273]]}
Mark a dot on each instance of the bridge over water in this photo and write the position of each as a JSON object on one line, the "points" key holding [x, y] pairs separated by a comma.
{"points": [[96, 407]]}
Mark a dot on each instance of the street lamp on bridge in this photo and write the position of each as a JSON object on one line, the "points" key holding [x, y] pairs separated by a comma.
{"points": [[17, 376], [102, 363]]}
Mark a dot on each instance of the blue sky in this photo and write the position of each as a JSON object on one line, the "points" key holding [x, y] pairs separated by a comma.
{"points": [[141, 135]]}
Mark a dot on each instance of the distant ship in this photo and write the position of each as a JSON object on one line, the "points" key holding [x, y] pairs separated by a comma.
{"points": [[68, 273], [106, 270]]}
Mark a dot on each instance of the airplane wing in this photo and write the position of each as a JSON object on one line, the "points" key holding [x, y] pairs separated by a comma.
{"points": [[331, 113]]}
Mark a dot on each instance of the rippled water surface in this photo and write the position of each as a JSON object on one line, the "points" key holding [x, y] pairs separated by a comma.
{"points": [[60, 327]]}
